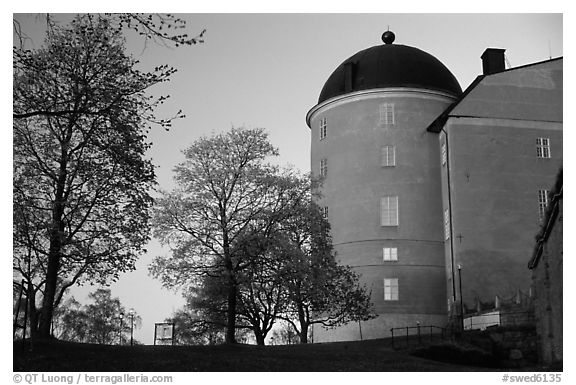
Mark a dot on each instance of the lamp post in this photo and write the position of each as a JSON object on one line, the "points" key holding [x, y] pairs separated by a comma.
{"points": [[131, 313], [461, 299], [121, 324]]}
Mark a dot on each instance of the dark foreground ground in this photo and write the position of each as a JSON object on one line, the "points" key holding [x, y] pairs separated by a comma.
{"points": [[372, 355]]}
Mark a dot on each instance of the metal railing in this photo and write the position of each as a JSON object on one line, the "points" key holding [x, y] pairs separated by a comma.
{"points": [[417, 335]]}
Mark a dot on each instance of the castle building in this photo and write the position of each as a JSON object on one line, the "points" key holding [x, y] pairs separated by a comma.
{"points": [[546, 265], [420, 178]]}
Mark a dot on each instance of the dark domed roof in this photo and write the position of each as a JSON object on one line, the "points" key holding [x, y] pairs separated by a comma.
{"points": [[390, 65]]}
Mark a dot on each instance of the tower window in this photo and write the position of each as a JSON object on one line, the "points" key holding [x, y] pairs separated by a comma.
{"points": [[323, 167], [444, 154], [542, 203], [323, 128], [387, 113], [390, 289], [389, 211], [325, 212], [543, 147], [446, 224], [388, 156], [390, 254]]}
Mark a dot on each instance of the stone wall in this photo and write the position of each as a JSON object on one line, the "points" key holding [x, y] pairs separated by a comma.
{"points": [[548, 287]]}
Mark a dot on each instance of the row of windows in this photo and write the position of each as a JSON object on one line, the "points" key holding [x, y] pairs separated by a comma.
{"points": [[387, 159], [389, 211], [386, 118], [388, 155], [542, 149]]}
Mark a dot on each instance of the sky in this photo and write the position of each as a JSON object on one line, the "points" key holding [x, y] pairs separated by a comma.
{"points": [[267, 70]]}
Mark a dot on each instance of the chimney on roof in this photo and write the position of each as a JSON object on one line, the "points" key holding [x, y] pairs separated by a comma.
{"points": [[493, 61]]}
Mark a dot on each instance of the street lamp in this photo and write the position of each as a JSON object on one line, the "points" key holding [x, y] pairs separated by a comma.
{"points": [[461, 300], [131, 313], [121, 319]]}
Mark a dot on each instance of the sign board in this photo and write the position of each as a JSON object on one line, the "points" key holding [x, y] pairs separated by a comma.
{"points": [[164, 333]]}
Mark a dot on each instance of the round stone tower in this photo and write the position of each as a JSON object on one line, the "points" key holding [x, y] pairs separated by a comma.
{"points": [[382, 190]]}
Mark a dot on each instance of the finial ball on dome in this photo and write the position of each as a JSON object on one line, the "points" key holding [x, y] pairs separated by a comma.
{"points": [[388, 37]]}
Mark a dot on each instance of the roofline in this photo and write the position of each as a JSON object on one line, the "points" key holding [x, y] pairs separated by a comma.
{"points": [[360, 93], [531, 64], [440, 121]]}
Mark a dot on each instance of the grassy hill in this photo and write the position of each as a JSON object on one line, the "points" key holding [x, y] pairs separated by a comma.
{"points": [[372, 355]]}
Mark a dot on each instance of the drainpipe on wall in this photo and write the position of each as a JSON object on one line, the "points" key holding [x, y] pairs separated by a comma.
{"points": [[450, 214]]}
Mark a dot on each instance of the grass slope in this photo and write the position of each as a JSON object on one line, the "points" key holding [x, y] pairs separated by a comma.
{"points": [[372, 355]]}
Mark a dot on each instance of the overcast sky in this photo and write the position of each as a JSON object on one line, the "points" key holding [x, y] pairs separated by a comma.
{"points": [[267, 70]]}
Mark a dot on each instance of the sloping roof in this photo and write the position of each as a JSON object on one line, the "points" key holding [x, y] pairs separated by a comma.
{"points": [[514, 88]]}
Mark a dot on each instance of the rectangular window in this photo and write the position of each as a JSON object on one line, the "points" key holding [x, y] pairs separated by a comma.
{"points": [[387, 113], [390, 254], [323, 128], [446, 224], [444, 154], [389, 211], [325, 212], [542, 203], [543, 147], [391, 289], [323, 167], [388, 156]]}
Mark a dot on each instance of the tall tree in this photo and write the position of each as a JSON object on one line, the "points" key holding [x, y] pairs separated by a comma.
{"points": [[225, 190], [81, 181], [320, 290], [262, 295]]}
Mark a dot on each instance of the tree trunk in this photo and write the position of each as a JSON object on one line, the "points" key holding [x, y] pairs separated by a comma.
{"points": [[50, 288], [54, 253], [303, 324], [32, 312], [259, 337], [304, 333], [231, 313]]}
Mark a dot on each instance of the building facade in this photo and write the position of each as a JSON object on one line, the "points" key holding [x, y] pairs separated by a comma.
{"points": [[502, 146], [394, 153], [546, 265]]}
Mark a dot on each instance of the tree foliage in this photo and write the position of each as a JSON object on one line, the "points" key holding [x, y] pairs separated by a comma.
{"points": [[81, 181], [247, 236], [162, 29], [202, 320], [319, 290], [262, 295], [225, 191], [103, 321], [159, 28]]}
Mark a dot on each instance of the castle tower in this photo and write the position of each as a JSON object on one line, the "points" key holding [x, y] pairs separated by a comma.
{"points": [[382, 189]]}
